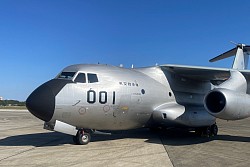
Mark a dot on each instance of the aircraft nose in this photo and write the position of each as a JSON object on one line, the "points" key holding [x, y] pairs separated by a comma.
{"points": [[41, 102]]}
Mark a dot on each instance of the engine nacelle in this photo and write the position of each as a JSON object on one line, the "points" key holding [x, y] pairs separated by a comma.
{"points": [[227, 104]]}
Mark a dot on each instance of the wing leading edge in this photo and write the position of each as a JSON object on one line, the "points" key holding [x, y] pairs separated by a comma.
{"points": [[204, 73], [198, 72]]}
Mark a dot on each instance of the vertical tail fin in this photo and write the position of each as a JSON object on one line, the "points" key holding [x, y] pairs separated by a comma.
{"points": [[241, 52]]}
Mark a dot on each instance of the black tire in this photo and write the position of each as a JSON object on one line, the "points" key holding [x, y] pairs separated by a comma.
{"points": [[208, 131], [214, 129], [83, 138]]}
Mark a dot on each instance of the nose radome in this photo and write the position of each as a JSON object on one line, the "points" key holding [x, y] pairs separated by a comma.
{"points": [[41, 102]]}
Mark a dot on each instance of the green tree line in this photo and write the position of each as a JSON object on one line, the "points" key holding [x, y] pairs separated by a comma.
{"points": [[11, 103]]}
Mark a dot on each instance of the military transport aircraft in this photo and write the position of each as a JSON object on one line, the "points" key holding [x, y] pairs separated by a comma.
{"points": [[84, 98]]}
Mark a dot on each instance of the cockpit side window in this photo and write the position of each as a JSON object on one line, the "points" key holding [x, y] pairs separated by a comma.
{"points": [[92, 78], [81, 78], [66, 75]]}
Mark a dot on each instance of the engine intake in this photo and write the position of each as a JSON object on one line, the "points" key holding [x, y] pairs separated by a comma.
{"points": [[215, 101], [227, 104]]}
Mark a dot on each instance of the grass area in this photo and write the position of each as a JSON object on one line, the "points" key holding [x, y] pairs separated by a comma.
{"points": [[14, 107]]}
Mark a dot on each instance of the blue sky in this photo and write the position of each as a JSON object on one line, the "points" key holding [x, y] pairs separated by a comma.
{"points": [[38, 38]]}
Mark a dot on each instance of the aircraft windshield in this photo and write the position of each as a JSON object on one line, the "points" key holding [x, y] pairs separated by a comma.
{"points": [[66, 75]]}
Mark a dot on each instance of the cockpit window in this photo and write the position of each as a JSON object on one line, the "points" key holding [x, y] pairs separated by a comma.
{"points": [[66, 75], [92, 78], [81, 78]]}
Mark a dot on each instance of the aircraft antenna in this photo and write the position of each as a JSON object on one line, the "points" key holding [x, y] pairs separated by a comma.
{"points": [[234, 43], [238, 45]]}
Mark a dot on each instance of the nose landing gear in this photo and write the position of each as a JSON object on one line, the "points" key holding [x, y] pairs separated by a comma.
{"points": [[82, 137]]}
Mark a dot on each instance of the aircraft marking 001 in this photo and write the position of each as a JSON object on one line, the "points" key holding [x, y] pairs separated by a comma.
{"points": [[84, 98]]}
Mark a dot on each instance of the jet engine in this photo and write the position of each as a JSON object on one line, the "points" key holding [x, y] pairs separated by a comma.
{"points": [[227, 104]]}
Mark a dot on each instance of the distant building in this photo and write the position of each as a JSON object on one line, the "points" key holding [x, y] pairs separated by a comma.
{"points": [[1, 98]]}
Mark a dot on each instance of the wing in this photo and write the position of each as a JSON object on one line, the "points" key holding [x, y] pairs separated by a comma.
{"points": [[198, 73], [201, 74]]}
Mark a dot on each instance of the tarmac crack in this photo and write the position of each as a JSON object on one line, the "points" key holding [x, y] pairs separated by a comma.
{"points": [[28, 150], [20, 128], [5, 158], [166, 150]]}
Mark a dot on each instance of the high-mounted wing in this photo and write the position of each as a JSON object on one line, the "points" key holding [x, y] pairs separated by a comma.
{"points": [[198, 73], [204, 73]]}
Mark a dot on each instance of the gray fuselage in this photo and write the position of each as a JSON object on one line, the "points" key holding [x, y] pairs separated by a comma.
{"points": [[121, 99], [106, 97]]}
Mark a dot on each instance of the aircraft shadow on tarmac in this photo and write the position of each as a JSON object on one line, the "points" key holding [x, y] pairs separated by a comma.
{"points": [[182, 137], [167, 137]]}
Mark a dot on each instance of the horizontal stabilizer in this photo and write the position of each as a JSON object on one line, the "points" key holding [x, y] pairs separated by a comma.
{"points": [[241, 52], [230, 53], [227, 54]]}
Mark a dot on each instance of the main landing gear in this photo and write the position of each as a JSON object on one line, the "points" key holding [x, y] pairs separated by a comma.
{"points": [[82, 137], [207, 131]]}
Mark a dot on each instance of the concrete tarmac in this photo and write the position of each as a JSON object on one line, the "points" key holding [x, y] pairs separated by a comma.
{"points": [[24, 142]]}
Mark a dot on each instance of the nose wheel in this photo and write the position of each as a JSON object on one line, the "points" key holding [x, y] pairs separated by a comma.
{"points": [[82, 137]]}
